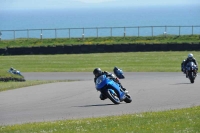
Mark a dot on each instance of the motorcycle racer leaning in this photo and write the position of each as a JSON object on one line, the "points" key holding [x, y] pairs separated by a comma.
{"points": [[190, 58], [98, 72]]}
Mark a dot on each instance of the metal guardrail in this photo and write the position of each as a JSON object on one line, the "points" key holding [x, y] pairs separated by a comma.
{"points": [[99, 32]]}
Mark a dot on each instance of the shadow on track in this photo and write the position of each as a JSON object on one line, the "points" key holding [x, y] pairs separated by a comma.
{"points": [[97, 105], [180, 83]]}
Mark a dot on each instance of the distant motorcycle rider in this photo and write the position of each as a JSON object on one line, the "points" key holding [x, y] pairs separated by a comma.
{"points": [[98, 72], [13, 70], [190, 58]]}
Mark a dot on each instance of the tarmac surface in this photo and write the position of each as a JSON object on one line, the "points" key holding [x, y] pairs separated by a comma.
{"points": [[154, 91]]}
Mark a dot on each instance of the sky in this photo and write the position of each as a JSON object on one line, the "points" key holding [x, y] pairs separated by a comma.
{"points": [[74, 4]]}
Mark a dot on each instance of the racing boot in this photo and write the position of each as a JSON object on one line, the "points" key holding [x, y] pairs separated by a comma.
{"points": [[102, 97], [184, 71], [186, 75], [124, 89]]}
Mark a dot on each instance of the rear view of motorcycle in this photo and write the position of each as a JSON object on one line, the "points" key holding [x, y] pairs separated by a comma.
{"points": [[118, 72], [191, 71]]}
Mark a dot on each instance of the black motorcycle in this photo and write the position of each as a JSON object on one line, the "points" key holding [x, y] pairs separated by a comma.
{"points": [[191, 70]]}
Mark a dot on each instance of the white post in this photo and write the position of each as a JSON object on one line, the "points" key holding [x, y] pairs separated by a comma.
{"points": [[82, 36], [165, 33], [0, 35], [41, 35], [124, 32]]}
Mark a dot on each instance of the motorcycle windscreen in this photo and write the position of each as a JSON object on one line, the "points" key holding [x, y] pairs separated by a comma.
{"points": [[101, 81], [191, 65]]}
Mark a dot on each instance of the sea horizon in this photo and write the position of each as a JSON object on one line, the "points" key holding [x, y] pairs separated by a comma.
{"points": [[91, 18]]}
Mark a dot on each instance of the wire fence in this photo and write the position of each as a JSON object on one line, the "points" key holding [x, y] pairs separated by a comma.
{"points": [[98, 32]]}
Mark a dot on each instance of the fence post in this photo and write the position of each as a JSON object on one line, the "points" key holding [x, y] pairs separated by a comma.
{"points": [[111, 31], [165, 32], [124, 31], [83, 34], [179, 30], [41, 35], [14, 34], [69, 33], [0, 35], [27, 34], [55, 33], [192, 29], [152, 31], [138, 31], [97, 33]]}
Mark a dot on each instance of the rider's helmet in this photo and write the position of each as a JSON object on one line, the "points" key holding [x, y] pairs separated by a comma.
{"points": [[97, 72], [11, 69], [190, 56]]}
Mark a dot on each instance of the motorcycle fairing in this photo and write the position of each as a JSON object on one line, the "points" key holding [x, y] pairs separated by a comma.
{"points": [[191, 66]]}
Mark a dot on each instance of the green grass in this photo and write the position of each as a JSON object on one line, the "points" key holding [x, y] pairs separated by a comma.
{"points": [[4, 86], [5, 73], [101, 40], [129, 62], [173, 121]]}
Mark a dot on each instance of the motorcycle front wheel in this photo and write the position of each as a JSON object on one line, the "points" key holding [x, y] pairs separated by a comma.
{"points": [[191, 77], [128, 99], [112, 96]]}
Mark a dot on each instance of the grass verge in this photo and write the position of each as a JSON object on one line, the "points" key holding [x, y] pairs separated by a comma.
{"points": [[31, 42], [128, 61], [14, 85], [177, 121]]}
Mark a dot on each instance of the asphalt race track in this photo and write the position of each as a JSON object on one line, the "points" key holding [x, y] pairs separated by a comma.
{"points": [[79, 99]]}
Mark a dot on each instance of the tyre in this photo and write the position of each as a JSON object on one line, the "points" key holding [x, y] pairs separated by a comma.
{"points": [[112, 96], [191, 77], [128, 99], [191, 80]]}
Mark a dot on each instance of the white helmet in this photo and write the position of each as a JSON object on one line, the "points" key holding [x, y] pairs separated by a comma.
{"points": [[190, 56]]}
